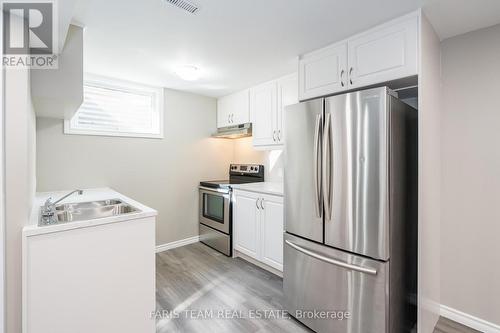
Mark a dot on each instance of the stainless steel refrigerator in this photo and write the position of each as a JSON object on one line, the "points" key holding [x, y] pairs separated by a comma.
{"points": [[350, 213]]}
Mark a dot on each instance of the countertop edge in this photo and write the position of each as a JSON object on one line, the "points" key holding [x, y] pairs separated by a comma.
{"points": [[33, 229], [271, 188]]}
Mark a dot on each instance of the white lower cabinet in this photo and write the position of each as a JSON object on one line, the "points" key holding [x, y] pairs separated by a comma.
{"points": [[271, 231], [258, 227], [246, 223], [97, 279]]}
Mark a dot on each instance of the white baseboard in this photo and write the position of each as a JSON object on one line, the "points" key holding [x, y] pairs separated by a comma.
{"points": [[468, 320], [179, 243]]}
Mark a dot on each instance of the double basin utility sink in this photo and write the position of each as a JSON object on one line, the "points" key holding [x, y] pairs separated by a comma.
{"points": [[82, 211]]}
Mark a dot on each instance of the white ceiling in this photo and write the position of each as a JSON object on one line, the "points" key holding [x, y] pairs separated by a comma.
{"points": [[455, 17], [239, 43]]}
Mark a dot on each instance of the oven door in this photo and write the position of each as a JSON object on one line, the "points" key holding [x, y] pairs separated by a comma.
{"points": [[215, 208]]}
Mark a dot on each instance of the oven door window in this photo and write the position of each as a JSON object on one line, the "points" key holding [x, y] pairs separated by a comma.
{"points": [[213, 207]]}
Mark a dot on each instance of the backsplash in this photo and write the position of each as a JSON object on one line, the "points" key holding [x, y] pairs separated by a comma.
{"points": [[244, 152]]}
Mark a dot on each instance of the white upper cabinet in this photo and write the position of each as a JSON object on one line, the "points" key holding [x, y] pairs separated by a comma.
{"points": [[267, 103], [384, 54], [323, 72], [264, 106], [287, 95], [233, 109], [240, 104], [223, 112]]}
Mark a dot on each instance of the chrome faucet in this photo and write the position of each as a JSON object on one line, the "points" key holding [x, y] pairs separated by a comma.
{"points": [[49, 208]]}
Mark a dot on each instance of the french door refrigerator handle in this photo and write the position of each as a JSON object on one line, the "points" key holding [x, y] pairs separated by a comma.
{"points": [[327, 166], [330, 168], [317, 174], [331, 260]]}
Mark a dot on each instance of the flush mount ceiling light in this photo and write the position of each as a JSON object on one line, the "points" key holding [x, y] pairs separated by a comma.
{"points": [[188, 73]]}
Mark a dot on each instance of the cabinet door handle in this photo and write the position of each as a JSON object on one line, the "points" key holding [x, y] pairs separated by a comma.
{"points": [[279, 135], [262, 203], [350, 74], [342, 78], [257, 203], [229, 118], [232, 117], [274, 135]]}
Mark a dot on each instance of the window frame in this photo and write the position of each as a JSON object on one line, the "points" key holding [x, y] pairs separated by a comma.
{"points": [[126, 86]]}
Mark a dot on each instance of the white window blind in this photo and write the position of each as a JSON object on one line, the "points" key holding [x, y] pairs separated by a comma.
{"points": [[116, 108]]}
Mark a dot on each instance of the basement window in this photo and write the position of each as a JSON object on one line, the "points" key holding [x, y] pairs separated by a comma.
{"points": [[117, 108]]}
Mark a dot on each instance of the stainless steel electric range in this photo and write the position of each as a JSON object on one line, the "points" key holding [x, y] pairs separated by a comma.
{"points": [[216, 205]]}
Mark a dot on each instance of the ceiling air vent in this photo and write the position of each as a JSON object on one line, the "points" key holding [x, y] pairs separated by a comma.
{"points": [[183, 4]]}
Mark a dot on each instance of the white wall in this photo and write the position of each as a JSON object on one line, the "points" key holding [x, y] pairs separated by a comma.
{"points": [[272, 160], [429, 179], [58, 93], [470, 230], [19, 183], [161, 173]]}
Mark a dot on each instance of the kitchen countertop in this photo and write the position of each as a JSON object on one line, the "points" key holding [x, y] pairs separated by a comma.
{"points": [[273, 188], [88, 195]]}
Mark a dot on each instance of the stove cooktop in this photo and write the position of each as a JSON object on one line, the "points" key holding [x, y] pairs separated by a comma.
{"points": [[221, 183], [238, 174]]}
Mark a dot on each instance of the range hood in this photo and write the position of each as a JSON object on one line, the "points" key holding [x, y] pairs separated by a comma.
{"points": [[234, 132]]}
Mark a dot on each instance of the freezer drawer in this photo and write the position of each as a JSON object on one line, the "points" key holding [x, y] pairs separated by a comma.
{"points": [[320, 278]]}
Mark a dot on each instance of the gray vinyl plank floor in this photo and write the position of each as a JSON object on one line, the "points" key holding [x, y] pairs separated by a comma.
{"points": [[200, 290], [214, 293]]}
